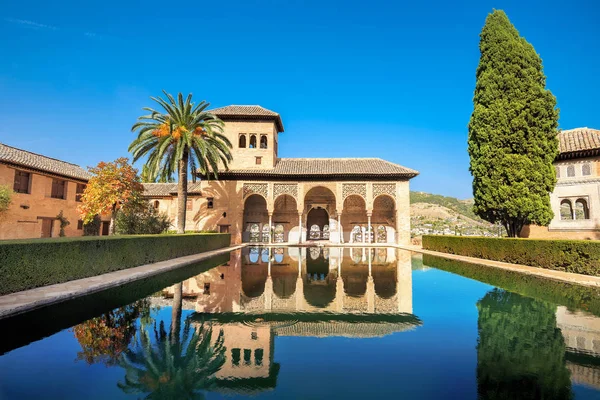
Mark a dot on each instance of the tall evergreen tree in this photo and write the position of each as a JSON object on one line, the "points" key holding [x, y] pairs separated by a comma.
{"points": [[512, 132]]}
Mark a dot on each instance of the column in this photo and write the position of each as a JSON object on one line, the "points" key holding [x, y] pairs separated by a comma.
{"points": [[300, 226], [370, 288], [369, 226], [270, 228], [341, 234]]}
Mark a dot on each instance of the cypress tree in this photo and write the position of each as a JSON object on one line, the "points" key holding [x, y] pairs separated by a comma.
{"points": [[512, 131]]}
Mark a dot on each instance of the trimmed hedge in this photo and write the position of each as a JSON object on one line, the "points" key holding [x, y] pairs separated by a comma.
{"points": [[27, 264], [582, 257], [572, 296]]}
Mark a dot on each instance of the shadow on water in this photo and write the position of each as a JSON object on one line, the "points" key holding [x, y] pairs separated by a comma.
{"points": [[38, 324], [572, 296]]}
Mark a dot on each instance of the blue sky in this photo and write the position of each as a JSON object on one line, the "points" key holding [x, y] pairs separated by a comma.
{"points": [[351, 79]]}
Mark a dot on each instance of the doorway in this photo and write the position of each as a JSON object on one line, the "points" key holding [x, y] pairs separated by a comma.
{"points": [[47, 225], [317, 222]]}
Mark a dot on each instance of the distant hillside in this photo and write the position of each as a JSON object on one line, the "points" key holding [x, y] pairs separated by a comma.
{"points": [[464, 207]]}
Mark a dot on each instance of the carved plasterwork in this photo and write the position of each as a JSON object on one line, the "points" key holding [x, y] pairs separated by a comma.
{"points": [[354, 188], [256, 188], [285, 188], [384, 188]]}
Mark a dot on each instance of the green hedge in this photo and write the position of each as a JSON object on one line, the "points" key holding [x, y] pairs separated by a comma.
{"points": [[566, 294], [582, 257], [27, 264]]}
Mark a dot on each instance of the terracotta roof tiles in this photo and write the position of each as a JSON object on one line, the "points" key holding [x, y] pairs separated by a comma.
{"points": [[22, 158], [248, 112], [579, 140], [168, 189]]}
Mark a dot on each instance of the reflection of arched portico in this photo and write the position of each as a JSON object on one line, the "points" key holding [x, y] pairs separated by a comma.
{"points": [[256, 219], [383, 221]]}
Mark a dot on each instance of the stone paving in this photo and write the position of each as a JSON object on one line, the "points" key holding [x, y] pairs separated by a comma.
{"points": [[586, 280], [20, 302]]}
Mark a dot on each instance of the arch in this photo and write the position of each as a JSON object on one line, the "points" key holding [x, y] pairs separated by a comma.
{"points": [[316, 220], [319, 287], [264, 255], [253, 255], [252, 142], [355, 279], [571, 171], [279, 255], [384, 278], [254, 277], [242, 141], [586, 169], [255, 218], [582, 210], [266, 233], [356, 234], [263, 141], [285, 217], [566, 210], [381, 234], [284, 281]]}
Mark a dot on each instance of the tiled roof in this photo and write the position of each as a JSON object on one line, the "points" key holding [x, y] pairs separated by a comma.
{"points": [[248, 112], [26, 159], [579, 142], [327, 167], [168, 189]]}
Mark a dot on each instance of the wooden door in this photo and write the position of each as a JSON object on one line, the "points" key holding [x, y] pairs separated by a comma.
{"points": [[47, 225]]}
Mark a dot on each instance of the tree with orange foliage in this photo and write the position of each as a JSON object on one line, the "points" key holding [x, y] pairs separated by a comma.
{"points": [[115, 185]]}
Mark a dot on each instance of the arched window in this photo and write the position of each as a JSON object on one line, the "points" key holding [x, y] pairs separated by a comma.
{"points": [[356, 255], [263, 141], [253, 256], [264, 255], [571, 171], [278, 237], [356, 234], [326, 232], [254, 233], [566, 210], [315, 232], [314, 252], [326, 253], [557, 168], [278, 254], [381, 234], [266, 232], [586, 170], [242, 142], [382, 255], [581, 209], [156, 204], [252, 142]]}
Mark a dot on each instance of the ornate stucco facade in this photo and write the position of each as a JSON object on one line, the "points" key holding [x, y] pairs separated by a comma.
{"points": [[575, 200], [264, 198]]}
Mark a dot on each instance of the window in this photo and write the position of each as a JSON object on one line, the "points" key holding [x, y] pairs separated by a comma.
{"points": [[258, 356], [79, 191], [210, 202], [254, 335], [557, 168], [79, 225], [356, 234], [566, 210], [266, 233], [242, 141], [206, 288], [252, 142], [586, 170], [263, 141], [581, 209], [314, 232], [326, 232], [247, 356], [188, 205], [235, 356], [58, 189], [258, 160], [381, 234], [571, 171], [278, 238], [223, 228], [156, 204], [254, 233], [21, 184]]}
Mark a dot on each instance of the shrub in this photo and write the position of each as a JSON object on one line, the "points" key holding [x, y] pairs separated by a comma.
{"points": [[582, 257], [5, 198], [64, 222], [27, 264], [141, 220]]}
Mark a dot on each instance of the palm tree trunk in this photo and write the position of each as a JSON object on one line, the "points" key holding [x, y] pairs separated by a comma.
{"points": [[182, 192], [176, 312]]}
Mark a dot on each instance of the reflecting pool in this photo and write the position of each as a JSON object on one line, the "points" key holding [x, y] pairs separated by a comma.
{"points": [[312, 323]]}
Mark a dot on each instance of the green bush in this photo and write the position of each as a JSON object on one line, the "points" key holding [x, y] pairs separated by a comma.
{"points": [[92, 228], [144, 220], [566, 294], [582, 257], [27, 264], [5, 197]]}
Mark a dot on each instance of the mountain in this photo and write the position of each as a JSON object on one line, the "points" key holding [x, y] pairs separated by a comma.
{"points": [[442, 215]]}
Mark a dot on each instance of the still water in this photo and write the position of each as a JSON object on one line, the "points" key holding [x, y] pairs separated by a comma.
{"points": [[312, 323]]}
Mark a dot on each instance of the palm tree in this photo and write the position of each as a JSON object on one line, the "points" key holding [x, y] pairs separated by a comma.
{"points": [[184, 135]]}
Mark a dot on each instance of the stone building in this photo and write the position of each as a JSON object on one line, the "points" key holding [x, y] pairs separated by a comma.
{"points": [[263, 197], [43, 187], [575, 200]]}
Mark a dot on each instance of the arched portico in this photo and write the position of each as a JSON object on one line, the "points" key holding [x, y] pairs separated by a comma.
{"points": [[285, 219], [256, 218], [320, 203]]}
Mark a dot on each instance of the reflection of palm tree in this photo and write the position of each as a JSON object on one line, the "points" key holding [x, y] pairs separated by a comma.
{"points": [[174, 366]]}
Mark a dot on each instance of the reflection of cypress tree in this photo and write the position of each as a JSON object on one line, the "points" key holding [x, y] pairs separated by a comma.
{"points": [[521, 352]]}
